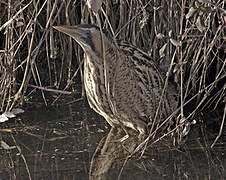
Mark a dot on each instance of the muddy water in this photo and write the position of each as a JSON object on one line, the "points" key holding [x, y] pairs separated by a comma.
{"points": [[70, 142]]}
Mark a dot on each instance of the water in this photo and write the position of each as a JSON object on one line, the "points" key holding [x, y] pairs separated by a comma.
{"points": [[70, 142]]}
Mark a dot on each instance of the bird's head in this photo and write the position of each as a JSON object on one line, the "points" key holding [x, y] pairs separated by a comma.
{"points": [[87, 36]]}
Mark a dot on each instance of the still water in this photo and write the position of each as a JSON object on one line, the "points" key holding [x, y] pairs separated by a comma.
{"points": [[71, 142]]}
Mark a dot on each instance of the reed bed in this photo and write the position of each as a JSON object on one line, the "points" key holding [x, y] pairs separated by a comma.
{"points": [[186, 39]]}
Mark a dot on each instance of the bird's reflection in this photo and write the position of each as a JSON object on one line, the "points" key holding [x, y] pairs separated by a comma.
{"points": [[112, 157], [116, 160]]}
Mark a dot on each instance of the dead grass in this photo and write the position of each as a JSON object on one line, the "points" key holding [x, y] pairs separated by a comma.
{"points": [[187, 36]]}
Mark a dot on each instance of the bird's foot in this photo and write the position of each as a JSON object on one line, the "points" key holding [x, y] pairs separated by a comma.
{"points": [[126, 136]]}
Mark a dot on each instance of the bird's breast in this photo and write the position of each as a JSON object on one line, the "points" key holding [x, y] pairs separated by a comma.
{"points": [[95, 87]]}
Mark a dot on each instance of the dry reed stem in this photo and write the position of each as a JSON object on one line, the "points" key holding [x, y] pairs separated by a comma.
{"points": [[34, 54]]}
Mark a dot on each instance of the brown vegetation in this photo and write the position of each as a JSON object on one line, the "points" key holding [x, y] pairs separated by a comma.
{"points": [[186, 39]]}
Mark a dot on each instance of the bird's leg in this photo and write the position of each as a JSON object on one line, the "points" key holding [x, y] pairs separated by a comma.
{"points": [[124, 137], [115, 125]]}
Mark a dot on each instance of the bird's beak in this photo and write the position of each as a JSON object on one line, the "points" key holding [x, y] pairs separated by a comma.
{"points": [[69, 30], [77, 33]]}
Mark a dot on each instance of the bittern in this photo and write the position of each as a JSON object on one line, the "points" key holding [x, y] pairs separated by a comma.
{"points": [[122, 83]]}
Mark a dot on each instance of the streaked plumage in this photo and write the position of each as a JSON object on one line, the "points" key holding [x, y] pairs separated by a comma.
{"points": [[122, 83]]}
